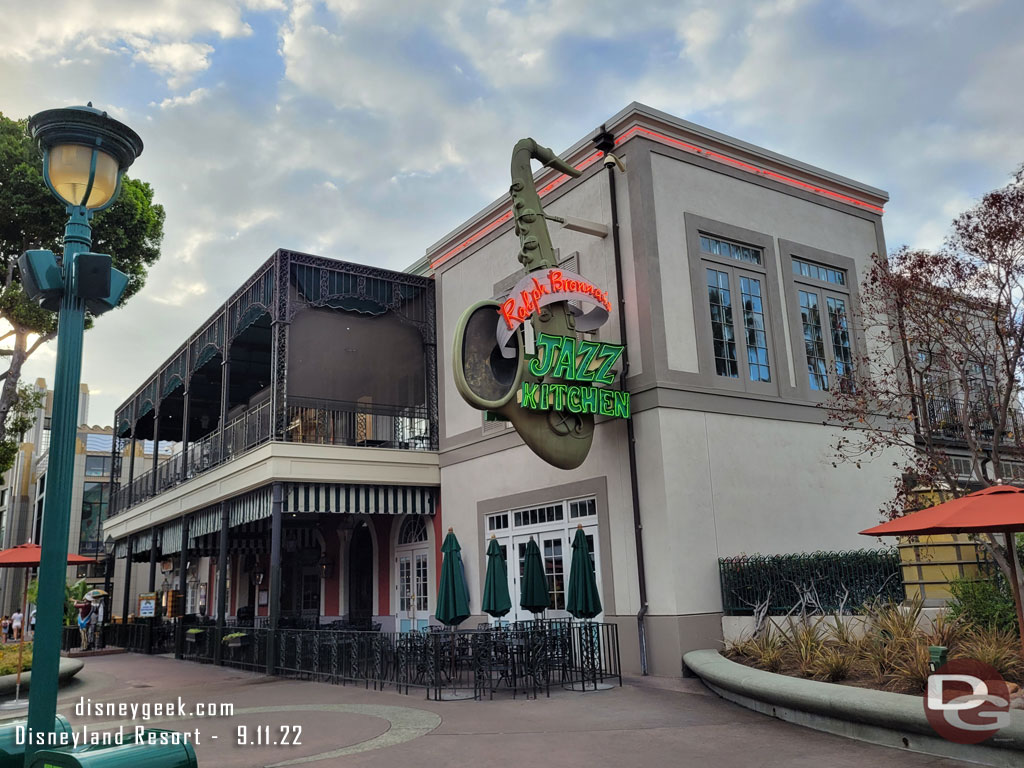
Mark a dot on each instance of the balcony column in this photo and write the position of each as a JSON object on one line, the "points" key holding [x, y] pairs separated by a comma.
{"points": [[225, 392], [179, 633], [152, 583], [115, 479], [131, 468], [156, 449], [184, 433], [222, 582], [127, 581], [274, 611]]}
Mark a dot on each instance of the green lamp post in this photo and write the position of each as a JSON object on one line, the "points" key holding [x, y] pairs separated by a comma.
{"points": [[85, 154]]}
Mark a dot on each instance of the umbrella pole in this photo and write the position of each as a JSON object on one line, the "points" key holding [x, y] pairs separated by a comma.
{"points": [[21, 643], [1011, 556]]}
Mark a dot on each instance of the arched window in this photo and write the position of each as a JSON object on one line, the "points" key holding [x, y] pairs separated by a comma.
{"points": [[413, 530]]}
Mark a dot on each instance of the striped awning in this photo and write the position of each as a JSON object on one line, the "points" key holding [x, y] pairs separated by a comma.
{"points": [[142, 542], [170, 538], [204, 521], [324, 498], [121, 548], [249, 507], [347, 498]]}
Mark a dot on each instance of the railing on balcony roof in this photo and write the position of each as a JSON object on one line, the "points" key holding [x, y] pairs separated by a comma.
{"points": [[322, 422]]}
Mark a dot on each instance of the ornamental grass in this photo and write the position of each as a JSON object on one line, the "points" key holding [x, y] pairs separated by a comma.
{"points": [[9, 658], [885, 647]]}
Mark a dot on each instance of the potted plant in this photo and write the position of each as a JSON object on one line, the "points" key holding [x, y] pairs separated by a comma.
{"points": [[194, 634], [236, 640]]}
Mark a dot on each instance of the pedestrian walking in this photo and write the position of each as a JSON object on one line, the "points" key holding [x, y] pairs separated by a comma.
{"points": [[6, 627], [16, 621]]}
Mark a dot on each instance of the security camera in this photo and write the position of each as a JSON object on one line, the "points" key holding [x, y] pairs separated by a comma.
{"points": [[611, 160]]}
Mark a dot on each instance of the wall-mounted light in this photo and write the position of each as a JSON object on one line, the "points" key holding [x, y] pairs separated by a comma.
{"points": [[326, 565]]}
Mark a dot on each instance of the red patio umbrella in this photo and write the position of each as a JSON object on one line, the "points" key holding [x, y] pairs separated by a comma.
{"points": [[999, 509], [28, 556]]}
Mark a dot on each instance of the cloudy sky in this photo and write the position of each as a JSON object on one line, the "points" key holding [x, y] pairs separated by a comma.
{"points": [[367, 129]]}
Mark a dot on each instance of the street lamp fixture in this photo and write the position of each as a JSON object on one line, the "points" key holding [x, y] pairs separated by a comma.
{"points": [[85, 154], [108, 545]]}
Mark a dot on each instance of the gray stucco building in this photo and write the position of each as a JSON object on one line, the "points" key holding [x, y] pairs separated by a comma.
{"points": [[740, 270]]}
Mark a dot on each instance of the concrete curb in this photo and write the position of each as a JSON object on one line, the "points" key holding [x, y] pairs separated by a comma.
{"points": [[891, 719], [68, 668]]}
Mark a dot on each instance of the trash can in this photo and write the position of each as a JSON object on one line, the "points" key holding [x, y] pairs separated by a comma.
{"points": [[132, 753], [12, 754]]}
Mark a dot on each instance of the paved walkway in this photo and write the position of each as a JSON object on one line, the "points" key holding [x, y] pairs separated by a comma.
{"points": [[649, 722]]}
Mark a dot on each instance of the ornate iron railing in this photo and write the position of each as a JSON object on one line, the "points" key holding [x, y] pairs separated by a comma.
{"points": [[953, 418], [325, 422], [819, 582], [334, 422]]}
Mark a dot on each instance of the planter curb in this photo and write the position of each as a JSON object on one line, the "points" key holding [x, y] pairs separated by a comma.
{"points": [[68, 668], [891, 719]]}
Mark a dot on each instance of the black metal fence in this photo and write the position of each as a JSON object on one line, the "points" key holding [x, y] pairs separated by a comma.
{"points": [[140, 637], [954, 418], [818, 582], [527, 657]]}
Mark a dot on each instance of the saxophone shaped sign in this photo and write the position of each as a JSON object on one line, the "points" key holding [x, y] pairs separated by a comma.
{"points": [[554, 396]]}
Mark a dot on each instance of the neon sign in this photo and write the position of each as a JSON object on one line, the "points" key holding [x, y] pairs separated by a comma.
{"points": [[569, 359], [531, 293]]}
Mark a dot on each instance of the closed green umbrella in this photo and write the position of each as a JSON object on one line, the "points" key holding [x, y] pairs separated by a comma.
{"points": [[497, 601], [533, 594], [452, 597], [583, 602]]}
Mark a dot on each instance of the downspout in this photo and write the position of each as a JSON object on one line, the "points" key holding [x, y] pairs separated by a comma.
{"points": [[605, 142]]}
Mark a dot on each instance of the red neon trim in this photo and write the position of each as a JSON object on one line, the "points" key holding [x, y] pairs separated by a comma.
{"points": [[591, 159], [745, 166], [554, 184]]}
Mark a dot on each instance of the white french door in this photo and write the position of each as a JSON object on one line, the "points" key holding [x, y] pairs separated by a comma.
{"points": [[556, 554], [412, 583]]}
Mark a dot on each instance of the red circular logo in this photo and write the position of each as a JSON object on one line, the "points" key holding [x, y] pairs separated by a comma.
{"points": [[967, 701]]}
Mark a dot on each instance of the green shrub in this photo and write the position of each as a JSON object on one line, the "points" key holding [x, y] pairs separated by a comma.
{"points": [[984, 603]]}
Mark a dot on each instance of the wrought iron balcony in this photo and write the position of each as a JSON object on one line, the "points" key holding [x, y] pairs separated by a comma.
{"points": [[954, 419], [308, 421]]}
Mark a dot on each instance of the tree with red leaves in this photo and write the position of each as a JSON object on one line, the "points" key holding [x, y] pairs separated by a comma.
{"points": [[945, 362]]}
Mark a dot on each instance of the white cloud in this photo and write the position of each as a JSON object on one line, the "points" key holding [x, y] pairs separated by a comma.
{"points": [[179, 62], [194, 97], [369, 129]]}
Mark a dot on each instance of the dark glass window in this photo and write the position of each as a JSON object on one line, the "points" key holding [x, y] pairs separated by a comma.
{"points": [[753, 327], [840, 342], [814, 343], [95, 504], [97, 466], [720, 247], [819, 272], [722, 332]]}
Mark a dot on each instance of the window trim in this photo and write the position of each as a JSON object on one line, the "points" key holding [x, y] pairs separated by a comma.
{"points": [[793, 283], [699, 261]]}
